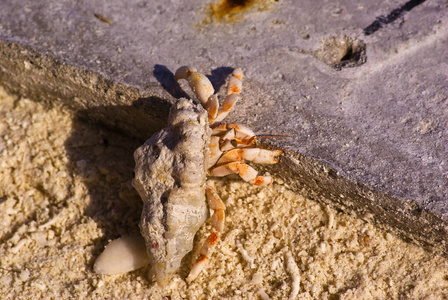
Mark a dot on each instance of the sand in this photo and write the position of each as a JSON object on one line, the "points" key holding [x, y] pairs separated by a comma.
{"points": [[65, 192]]}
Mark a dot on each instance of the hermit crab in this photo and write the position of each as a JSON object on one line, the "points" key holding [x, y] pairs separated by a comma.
{"points": [[171, 177]]}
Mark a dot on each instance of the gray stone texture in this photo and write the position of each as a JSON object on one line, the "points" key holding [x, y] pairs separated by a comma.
{"points": [[361, 87]]}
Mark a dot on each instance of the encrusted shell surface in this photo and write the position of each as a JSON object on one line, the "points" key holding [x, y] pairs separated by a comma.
{"points": [[170, 176]]}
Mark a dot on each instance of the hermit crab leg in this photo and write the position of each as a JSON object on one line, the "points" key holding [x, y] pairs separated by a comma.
{"points": [[199, 83], [203, 89], [257, 155], [184, 72], [218, 218], [227, 105], [235, 82], [241, 132], [246, 172], [234, 87], [212, 108], [214, 151]]}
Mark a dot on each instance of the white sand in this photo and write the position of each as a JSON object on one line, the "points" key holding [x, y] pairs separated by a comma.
{"points": [[65, 191]]}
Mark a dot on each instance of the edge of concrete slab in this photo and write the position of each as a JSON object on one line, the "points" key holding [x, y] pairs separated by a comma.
{"points": [[402, 217], [141, 112], [41, 77]]}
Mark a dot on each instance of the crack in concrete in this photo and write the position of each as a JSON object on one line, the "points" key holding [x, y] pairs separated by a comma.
{"points": [[391, 17]]}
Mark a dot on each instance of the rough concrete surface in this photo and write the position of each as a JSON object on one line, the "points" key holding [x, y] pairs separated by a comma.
{"points": [[360, 88]]}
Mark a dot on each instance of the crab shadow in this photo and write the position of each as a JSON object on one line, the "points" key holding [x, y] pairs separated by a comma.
{"points": [[101, 157], [100, 150]]}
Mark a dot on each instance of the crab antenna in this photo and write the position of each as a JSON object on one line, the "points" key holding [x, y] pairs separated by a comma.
{"points": [[273, 148], [270, 136], [253, 138]]}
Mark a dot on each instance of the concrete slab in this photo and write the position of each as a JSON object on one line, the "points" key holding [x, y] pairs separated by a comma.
{"points": [[361, 88]]}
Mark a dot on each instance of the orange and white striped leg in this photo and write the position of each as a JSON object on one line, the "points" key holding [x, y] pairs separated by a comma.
{"points": [[218, 218], [203, 88], [256, 155], [234, 87], [214, 151], [246, 172]]}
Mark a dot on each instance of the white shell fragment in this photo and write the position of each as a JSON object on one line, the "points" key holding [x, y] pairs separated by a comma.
{"points": [[122, 255], [294, 271], [170, 176], [245, 255]]}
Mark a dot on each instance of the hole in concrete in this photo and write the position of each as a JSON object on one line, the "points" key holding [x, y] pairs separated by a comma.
{"points": [[341, 52]]}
